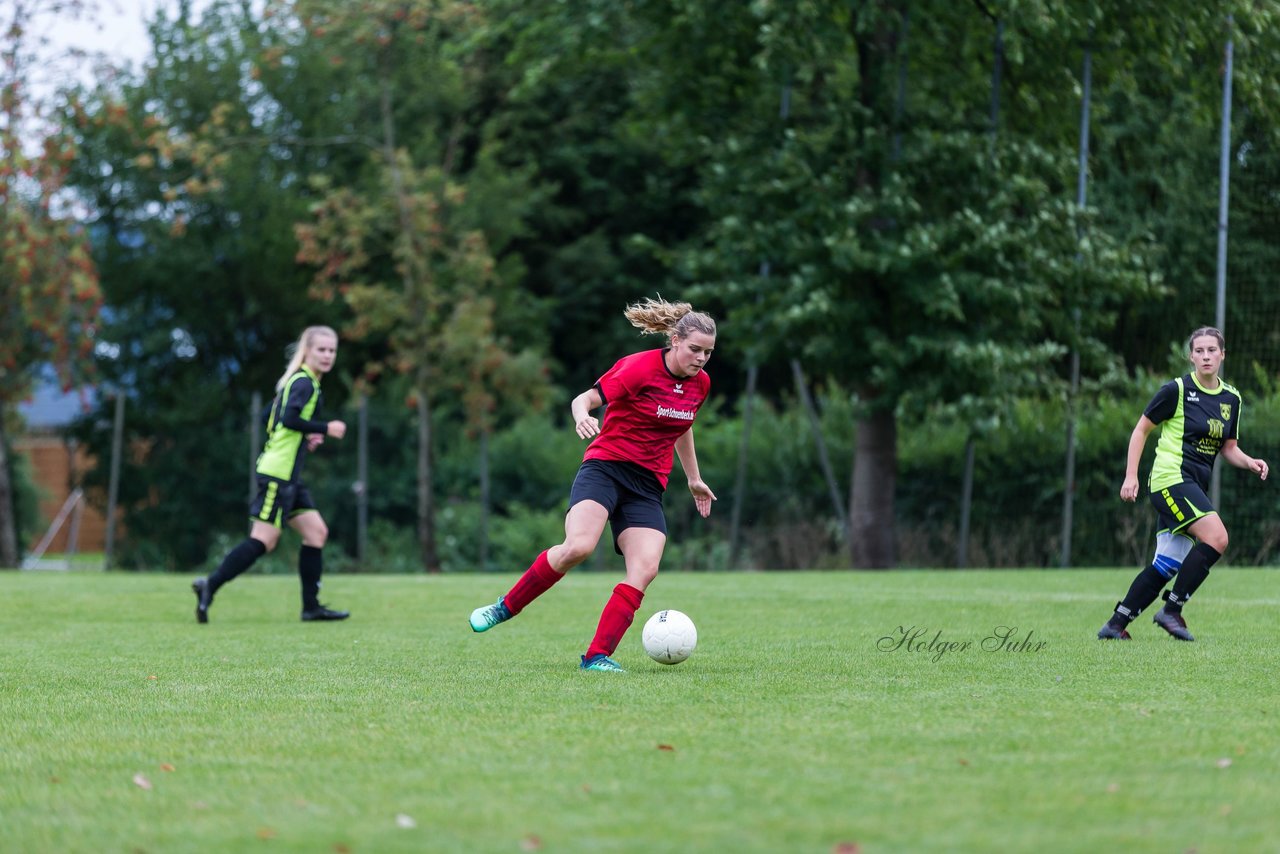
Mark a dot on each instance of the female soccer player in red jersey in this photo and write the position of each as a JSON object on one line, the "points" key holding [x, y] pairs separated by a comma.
{"points": [[653, 398]]}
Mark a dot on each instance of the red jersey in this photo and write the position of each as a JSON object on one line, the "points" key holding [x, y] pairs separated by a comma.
{"points": [[649, 408]]}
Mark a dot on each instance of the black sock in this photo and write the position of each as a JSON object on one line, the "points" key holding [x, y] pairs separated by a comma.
{"points": [[237, 561], [309, 570], [1143, 591], [1195, 569]]}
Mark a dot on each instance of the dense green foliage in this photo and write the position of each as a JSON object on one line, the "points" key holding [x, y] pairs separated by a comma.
{"points": [[130, 727], [885, 193]]}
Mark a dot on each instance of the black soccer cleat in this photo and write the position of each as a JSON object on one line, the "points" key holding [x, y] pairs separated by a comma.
{"points": [[1173, 624], [204, 597], [1110, 632], [320, 612]]}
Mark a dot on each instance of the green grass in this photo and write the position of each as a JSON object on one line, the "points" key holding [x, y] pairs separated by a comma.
{"points": [[789, 730]]}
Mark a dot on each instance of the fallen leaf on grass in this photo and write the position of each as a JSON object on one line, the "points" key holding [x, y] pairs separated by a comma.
{"points": [[165, 766], [405, 821], [341, 848], [666, 747], [152, 676], [141, 782], [530, 843], [845, 848], [963, 761], [55, 779], [266, 833]]}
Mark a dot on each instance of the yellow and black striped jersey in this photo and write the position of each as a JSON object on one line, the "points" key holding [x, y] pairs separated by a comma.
{"points": [[288, 424], [1196, 423]]}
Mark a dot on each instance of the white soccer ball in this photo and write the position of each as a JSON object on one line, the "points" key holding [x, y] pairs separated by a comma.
{"points": [[669, 637]]}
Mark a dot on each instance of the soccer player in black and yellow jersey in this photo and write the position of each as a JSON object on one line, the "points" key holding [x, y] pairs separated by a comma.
{"points": [[1200, 415], [292, 433]]}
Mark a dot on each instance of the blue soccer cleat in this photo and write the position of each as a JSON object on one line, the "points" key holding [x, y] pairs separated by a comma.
{"points": [[602, 662], [483, 619]]}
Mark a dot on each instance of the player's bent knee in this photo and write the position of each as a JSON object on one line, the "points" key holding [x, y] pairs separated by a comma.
{"points": [[1171, 551], [574, 551], [1166, 566], [642, 578]]}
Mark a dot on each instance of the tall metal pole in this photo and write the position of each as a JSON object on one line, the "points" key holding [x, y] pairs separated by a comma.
{"points": [[740, 480], [255, 419], [1082, 182], [362, 482], [113, 483], [753, 371], [1224, 186]]}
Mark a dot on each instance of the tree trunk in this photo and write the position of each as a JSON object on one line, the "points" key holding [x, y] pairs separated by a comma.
{"points": [[8, 528], [872, 540], [426, 501]]}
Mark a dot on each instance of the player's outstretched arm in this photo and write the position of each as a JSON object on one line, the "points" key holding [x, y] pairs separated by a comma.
{"points": [[1232, 453], [702, 494]]}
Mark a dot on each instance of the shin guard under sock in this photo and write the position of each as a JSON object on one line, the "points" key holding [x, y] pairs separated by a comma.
{"points": [[1143, 591], [310, 567], [618, 614], [537, 579], [237, 561], [1195, 569]]}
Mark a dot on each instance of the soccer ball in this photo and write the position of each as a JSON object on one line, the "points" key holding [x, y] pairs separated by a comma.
{"points": [[669, 637]]}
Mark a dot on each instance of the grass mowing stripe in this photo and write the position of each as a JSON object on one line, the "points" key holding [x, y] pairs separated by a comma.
{"points": [[795, 726]]}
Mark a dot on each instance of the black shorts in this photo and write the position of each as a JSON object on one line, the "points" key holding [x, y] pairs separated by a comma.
{"points": [[631, 494], [278, 501], [1179, 506]]}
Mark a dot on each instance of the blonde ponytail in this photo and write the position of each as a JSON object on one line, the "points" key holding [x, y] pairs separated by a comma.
{"points": [[659, 317]]}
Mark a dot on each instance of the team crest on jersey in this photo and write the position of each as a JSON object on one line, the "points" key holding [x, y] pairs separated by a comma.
{"points": [[679, 388], [1226, 411]]}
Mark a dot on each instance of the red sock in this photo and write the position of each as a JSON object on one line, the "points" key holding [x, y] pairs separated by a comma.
{"points": [[537, 579], [619, 611]]}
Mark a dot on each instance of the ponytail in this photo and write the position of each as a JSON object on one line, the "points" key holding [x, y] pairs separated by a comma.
{"points": [[659, 317]]}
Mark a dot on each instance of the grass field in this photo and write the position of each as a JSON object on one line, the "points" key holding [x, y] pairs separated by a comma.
{"points": [[124, 726]]}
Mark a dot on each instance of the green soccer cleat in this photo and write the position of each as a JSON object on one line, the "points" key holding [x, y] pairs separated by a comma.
{"points": [[600, 661], [483, 619]]}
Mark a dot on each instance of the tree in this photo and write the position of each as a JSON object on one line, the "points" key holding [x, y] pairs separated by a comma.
{"points": [[49, 296], [405, 250], [194, 243], [911, 254], [490, 382]]}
